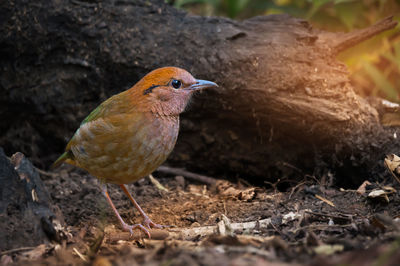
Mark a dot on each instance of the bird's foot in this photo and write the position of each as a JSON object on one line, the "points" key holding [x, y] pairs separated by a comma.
{"points": [[148, 223], [129, 228]]}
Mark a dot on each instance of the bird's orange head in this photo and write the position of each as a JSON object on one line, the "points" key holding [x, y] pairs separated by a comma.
{"points": [[166, 91]]}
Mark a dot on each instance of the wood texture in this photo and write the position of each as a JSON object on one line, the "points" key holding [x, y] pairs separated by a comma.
{"points": [[27, 215], [285, 107]]}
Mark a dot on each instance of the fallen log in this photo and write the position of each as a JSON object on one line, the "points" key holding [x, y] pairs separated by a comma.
{"points": [[285, 107]]}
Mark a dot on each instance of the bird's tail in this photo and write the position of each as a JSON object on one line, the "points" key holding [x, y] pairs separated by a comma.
{"points": [[68, 155]]}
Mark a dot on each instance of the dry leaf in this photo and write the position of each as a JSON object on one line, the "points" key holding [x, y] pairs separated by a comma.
{"points": [[247, 194], [227, 189], [361, 189], [392, 162], [379, 194]]}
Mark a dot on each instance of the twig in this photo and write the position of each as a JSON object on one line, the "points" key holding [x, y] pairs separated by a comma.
{"points": [[395, 177], [344, 217], [273, 185], [178, 171], [42, 172], [277, 230], [330, 203], [155, 235], [16, 250], [157, 184], [321, 226], [353, 38], [294, 188], [208, 230], [80, 255]]}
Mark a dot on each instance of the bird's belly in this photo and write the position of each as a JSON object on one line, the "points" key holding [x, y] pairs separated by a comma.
{"points": [[131, 153]]}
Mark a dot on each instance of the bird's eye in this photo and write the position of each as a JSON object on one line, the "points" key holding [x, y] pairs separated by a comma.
{"points": [[176, 84]]}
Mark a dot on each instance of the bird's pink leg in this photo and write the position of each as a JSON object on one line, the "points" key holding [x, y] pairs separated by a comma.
{"points": [[125, 227], [147, 222]]}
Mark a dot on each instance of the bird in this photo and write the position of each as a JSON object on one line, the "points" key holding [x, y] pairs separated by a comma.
{"points": [[131, 133]]}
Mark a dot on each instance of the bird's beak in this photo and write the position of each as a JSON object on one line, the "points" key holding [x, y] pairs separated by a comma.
{"points": [[203, 84]]}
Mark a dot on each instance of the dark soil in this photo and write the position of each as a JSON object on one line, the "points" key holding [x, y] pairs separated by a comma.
{"points": [[303, 229]]}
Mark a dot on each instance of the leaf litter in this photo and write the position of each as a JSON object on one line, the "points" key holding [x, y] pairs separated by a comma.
{"points": [[222, 223]]}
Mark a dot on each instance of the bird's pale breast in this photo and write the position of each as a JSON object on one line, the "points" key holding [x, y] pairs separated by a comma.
{"points": [[124, 148]]}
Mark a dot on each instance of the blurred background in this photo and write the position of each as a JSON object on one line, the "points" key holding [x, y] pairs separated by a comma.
{"points": [[374, 64]]}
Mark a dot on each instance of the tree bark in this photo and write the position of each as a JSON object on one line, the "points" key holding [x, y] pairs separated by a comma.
{"points": [[285, 107], [27, 215]]}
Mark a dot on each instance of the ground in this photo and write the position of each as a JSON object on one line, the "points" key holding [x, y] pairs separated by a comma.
{"points": [[229, 223]]}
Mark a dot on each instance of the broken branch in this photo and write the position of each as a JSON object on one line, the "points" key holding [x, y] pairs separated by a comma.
{"points": [[353, 38], [178, 171], [126, 236]]}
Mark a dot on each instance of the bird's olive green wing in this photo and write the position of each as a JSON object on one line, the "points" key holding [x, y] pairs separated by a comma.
{"points": [[94, 114], [65, 156], [116, 104], [68, 155]]}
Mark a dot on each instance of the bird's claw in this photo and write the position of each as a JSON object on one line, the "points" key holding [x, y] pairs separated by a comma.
{"points": [[145, 226], [150, 224], [129, 228]]}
